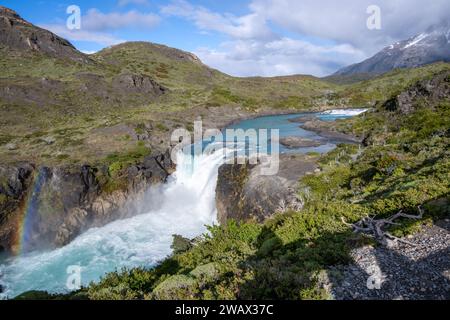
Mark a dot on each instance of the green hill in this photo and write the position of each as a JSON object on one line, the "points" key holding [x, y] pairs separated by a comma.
{"points": [[59, 105]]}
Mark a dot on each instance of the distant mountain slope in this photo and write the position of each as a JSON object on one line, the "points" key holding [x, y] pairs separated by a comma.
{"points": [[428, 47]]}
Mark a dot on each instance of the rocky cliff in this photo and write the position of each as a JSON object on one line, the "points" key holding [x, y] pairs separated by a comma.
{"points": [[429, 90], [57, 204], [243, 194], [18, 34]]}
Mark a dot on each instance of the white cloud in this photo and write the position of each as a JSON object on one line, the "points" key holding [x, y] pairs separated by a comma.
{"points": [[97, 26], [254, 49], [283, 56], [89, 51], [344, 21], [123, 3], [95, 20], [333, 33], [83, 35], [251, 26]]}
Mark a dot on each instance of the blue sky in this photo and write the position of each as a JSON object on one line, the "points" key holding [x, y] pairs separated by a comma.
{"points": [[243, 37]]}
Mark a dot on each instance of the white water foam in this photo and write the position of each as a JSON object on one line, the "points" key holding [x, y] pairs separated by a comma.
{"points": [[185, 205], [182, 206], [345, 112]]}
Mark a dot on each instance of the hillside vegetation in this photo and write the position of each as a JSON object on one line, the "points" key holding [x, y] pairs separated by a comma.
{"points": [[405, 164], [60, 106], [139, 86], [378, 89]]}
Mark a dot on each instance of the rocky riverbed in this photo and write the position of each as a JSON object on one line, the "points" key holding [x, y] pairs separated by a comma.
{"points": [[298, 142], [326, 129]]}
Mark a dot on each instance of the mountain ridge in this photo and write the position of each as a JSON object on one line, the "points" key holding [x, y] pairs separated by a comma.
{"points": [[427, 47], [19, 34]]}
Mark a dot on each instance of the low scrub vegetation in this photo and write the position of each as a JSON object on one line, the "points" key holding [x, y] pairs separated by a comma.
{"points": [[406, 164]]}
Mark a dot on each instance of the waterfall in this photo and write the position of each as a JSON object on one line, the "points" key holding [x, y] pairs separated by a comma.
{"points": [[185, 205]]}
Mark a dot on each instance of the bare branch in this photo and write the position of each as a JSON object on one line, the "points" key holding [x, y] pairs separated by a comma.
{"points": [[374, 228]]}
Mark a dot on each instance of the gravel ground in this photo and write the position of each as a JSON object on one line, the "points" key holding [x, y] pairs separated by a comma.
{"points": [[402, 272]]}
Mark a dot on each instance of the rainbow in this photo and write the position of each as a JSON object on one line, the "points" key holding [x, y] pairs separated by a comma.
{"points": [[23, 239]]}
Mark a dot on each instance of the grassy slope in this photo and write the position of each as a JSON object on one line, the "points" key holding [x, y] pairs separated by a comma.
{"points": [[63, 100], [193, 83], [407, 165], [53, 102]]}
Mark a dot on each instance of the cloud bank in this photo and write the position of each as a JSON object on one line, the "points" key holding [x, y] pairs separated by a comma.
{"points": [[273, 37], [323, 35]]}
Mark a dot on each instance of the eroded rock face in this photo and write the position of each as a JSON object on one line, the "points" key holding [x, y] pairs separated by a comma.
{"points": [[432, 90], [230, 192], [19, 34], [14, 181], [138, 84], [61, 203], [243, 194]]}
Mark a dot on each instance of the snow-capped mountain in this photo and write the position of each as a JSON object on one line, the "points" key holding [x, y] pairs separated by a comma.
{"points": [[427, 47]]}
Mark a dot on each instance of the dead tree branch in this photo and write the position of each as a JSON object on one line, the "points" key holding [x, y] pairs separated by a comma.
{"points": [[375, 228]]}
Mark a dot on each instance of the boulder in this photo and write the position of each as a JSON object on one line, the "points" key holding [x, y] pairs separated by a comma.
{"points": [[243, 194], [49, 140], [11, 146]]}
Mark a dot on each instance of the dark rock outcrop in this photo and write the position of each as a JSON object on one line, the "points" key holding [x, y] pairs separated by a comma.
{"points": [[19, 34], [243, 194], [230, 192], [427, 91], [135, 83], [34, 92], [14, 182], [62, 202]]}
